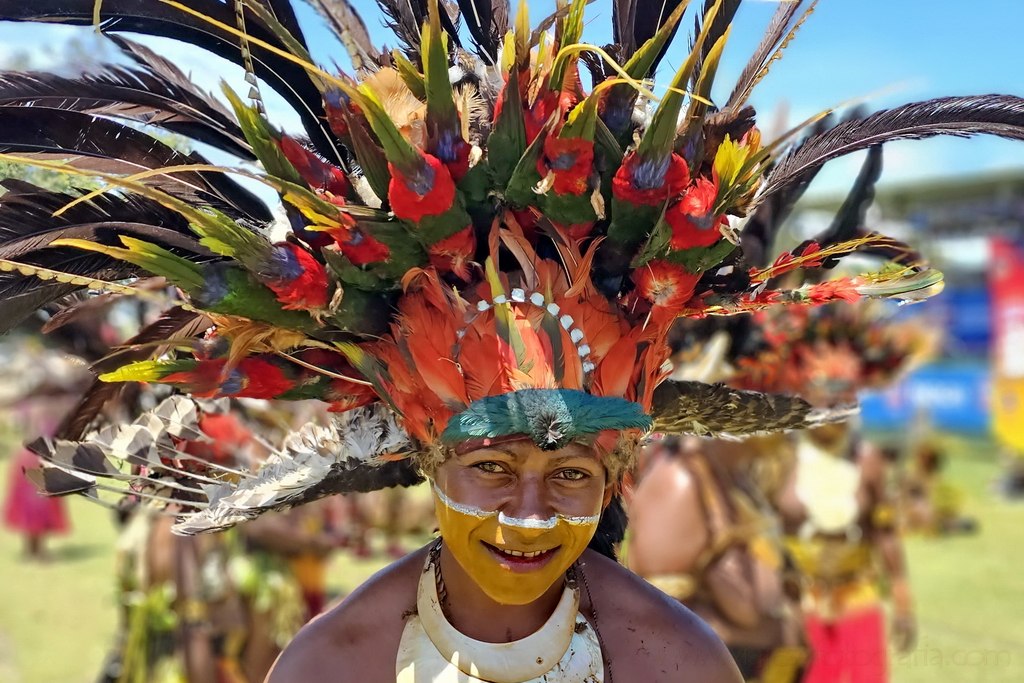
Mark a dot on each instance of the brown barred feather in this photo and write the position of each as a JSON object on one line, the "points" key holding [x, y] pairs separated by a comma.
{"points": [[720, 411]]}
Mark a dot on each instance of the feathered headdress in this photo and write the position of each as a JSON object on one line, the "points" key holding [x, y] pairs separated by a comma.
{"points": [[480, 245], [832, 351]]}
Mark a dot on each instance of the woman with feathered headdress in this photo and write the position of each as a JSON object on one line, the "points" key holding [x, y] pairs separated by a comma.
{"points": [[480, 284]]}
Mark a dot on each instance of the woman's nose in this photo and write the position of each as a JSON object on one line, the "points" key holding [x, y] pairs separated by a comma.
{"points": [[528, 507]]}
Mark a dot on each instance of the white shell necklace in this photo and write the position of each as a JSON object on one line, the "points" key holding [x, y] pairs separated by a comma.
{"points": [[564, 650]]}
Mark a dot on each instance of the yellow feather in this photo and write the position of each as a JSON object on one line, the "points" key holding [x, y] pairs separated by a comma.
{"points": [[48, 274]]}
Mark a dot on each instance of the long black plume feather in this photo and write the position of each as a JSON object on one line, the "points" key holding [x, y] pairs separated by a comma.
{"points": [[850, 217], [290, 80], [405, 18], [849, 222], [760, 231], [28, 226], [131, 94], [1001, 115], [719, 25], [121, 148], [16, 308], [779, 30], [635, 22], [285, 14]]}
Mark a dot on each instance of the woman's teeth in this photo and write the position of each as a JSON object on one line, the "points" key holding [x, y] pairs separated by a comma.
{"points": [[527, 555]]}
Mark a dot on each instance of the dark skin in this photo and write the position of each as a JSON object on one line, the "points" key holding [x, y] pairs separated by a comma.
{"points": [[179, 559], [646, 636], [886, 539], [283, 534], [673, 528]]}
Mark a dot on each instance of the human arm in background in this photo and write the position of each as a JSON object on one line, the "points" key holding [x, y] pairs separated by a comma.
{"points": [[193, 618], [286, 534], [888, 543]]}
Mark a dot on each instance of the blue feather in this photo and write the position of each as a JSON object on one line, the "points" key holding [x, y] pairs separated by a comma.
{"points": [[552, 418]]}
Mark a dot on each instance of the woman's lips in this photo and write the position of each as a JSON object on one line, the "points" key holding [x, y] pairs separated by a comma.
{"points": [[521, 560]]}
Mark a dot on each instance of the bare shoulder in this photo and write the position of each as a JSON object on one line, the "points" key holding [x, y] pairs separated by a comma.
{"points": [[649, 636], [358, 639], [667, 474]]}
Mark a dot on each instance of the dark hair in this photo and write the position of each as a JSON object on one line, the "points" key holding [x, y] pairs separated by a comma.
{"points": [[611, 529], [672, 445]]}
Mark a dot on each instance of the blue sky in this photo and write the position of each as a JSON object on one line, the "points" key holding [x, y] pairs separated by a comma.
{"points": [[897, 50]]}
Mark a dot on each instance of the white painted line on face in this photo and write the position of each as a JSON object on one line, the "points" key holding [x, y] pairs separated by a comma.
{"points": [[514, 522]]}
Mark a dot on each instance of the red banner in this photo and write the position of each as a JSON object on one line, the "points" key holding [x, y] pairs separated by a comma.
{"points": [[1007, 287]]}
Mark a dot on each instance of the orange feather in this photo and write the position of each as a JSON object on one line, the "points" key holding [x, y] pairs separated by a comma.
{"points": [[614, 372], [429, 336], [484, 376]]}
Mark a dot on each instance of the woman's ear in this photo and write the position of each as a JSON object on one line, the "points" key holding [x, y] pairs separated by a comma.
{"points": [[609, 491]]}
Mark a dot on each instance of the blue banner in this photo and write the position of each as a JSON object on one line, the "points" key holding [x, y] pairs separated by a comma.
{"points": [[964, 313], [951, 397]]}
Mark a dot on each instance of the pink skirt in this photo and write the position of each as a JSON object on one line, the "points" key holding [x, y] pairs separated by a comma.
{"points": [[25, 509]]}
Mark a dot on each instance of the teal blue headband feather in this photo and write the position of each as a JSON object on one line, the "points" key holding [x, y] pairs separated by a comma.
{"points": [[552, 418]]}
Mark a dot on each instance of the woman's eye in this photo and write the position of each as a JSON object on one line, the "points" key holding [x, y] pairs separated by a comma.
{"points": [[490, 467], [572, 475]]}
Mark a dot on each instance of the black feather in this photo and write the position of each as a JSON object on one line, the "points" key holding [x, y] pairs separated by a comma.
{"points": [[131, 94], [760, 231], [360, 477], [285, 15], [406, 17], [850, 217], [780, 27], [16, 309], [51, 481], [719, 25], [849, 222], [28, 226], [635, 22], [1001, 115], [76, 311], [118, 148], [290, 80], [26, 209], [487, 22]]}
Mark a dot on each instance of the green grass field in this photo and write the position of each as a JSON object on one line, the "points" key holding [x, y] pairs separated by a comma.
{"points": [[57, 619]]}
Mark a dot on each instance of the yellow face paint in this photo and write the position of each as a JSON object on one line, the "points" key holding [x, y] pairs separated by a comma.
{"points": [[484, 544]]}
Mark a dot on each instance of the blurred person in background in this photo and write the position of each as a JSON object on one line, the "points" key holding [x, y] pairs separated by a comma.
{"points": [[396, 513], [835, 502], [702, 531], [38, 385], [829, 488], [1012, 482], [354, 515], [282, 575], [298, 542], [930, 503], [216, 608], [26, 511], [278, 562], [183, 613], [841, 529], [182, 618]]}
